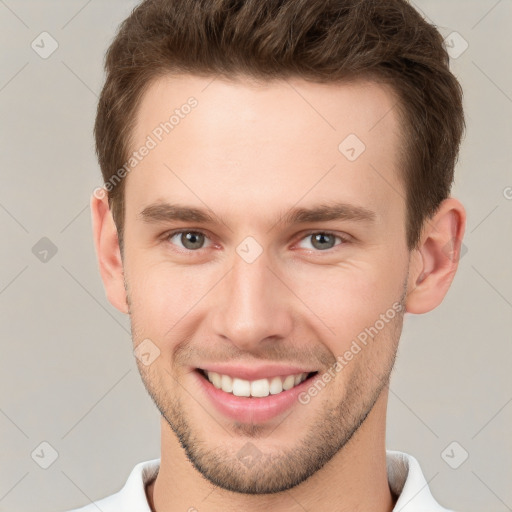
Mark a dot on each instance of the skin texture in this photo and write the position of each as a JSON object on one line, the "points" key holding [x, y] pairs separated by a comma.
{"points": [[249, 153]]}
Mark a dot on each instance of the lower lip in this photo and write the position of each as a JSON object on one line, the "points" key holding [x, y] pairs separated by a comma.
{"points": [[250, 409]]}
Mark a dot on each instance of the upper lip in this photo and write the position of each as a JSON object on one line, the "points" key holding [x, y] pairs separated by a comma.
{"points": [[255, 372]]}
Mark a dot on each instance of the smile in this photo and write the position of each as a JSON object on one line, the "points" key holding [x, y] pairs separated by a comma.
{"points": [[257, 388], [252, 401]]}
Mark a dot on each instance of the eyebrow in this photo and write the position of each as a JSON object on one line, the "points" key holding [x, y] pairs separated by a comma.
{"points": [[166, 212]]}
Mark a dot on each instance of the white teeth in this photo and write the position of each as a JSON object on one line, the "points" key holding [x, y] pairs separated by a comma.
{"points": [[226, 383], [216, 380], [260, 387], [276, 386], [289, 382], [241, 387], [256, 388]]}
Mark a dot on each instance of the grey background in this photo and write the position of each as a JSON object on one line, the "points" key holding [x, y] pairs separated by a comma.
{"points": [[67, 371]]}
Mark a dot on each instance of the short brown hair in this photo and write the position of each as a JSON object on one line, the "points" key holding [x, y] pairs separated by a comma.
{"points": [[322, 41]]}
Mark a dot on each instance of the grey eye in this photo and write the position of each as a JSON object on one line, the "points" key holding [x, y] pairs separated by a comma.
{"points": [[322, 241], [190, 240]]}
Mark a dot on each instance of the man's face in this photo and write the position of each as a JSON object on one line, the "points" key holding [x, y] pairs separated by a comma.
{"points": [[250, 287]]}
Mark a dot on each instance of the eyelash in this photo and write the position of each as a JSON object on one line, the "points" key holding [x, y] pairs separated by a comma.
{"points": [[344, 239]]}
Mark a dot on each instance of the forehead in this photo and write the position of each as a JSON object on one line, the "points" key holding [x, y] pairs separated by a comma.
{"points": [[241, 144]]}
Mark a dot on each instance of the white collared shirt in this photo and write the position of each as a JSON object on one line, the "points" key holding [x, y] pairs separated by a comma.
{"points": [[405, 479]]}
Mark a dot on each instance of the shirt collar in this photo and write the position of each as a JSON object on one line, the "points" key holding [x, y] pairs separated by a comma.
{"points": [[406, 481]]}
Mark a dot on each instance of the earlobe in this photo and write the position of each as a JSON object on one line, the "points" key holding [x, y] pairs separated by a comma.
{"points": [[435, 261], [106, 243]]}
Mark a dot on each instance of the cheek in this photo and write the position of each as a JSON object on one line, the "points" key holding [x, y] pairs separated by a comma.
{"points": [[343, 300], [161, 295]]}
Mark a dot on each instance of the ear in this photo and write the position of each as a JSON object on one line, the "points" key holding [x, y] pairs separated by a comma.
{"points": [[108, 252], [435, 261]]}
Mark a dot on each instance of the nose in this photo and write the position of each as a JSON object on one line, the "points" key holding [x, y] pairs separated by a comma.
{"points": [[253, 305]]}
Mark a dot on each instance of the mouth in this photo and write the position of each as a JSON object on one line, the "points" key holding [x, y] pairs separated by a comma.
{"points": [[256, 401], [259, 388]]}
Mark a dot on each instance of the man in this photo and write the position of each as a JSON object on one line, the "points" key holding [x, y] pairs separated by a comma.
{"points": [[235, 140]]}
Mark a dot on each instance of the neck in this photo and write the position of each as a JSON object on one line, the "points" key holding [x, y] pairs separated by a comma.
{"points": [[354, 479]]}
